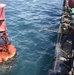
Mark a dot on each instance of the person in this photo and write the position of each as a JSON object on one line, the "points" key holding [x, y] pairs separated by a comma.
{"points": [[67, 16], [70, 34]]}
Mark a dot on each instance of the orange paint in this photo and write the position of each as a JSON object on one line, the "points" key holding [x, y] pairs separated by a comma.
{"points": [[7, 50], [5, 56]]}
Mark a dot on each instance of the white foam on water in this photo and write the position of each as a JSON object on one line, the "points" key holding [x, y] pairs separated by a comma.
{"points": [[34, 0]]}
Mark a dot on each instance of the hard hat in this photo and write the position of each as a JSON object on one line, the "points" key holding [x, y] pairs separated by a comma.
{"points": [[72, 10], [72, 22], [72, 16]]}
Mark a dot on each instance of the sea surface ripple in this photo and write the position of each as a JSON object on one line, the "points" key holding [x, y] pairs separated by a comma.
{"points": [[26, 20]]}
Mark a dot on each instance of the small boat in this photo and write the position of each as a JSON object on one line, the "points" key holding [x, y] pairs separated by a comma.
{"points": [[64, 55], [7, 50]]}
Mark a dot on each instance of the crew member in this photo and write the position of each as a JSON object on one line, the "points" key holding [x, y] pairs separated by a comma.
{"points": [[70, 34]]}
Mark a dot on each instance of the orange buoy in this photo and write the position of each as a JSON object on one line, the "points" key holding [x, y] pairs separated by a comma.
{"points": [[7, 50]]}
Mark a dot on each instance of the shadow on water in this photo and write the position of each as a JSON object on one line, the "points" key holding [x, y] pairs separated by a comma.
{"points": [[35, 49], [6, 68], [46, 62]]}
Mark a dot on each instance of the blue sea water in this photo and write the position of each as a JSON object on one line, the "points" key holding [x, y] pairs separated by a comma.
{"points": [[26, 20]]}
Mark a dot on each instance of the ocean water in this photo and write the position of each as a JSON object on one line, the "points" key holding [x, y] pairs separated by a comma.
{"points": [[25, 21]]}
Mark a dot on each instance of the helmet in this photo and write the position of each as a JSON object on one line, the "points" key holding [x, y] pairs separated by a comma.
{"points": [[72, 10], [72, 13], [72, 23], [72, 16]]}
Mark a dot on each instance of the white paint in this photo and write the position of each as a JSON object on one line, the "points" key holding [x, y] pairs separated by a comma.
{"points": [[63, 59], [2, 5]]}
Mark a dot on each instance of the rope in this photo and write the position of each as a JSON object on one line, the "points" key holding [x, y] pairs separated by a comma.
{"points": [[46, 29]]}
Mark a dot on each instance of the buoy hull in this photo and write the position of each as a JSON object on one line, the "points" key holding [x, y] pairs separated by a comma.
{"points": [[7, 50], [6, 55]]}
